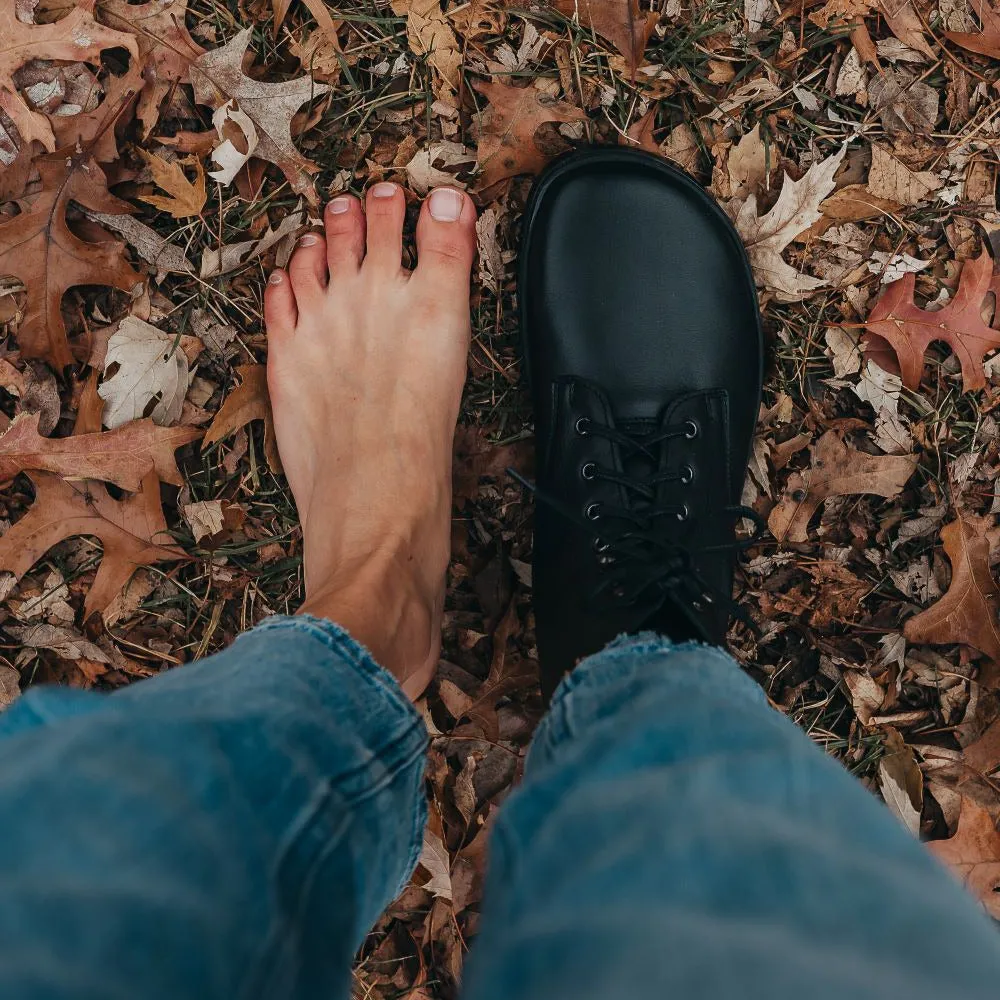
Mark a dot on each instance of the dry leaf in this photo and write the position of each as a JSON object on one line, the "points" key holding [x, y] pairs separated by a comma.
{"points": [[434, 859], [894, 181], [973, 854], [150, 368], [985, 42], [67, 642], [896, 321], [429, 33], [426, 169], [507, 129], [229, 159], [122, 456], [218, 79], [146, 241], [38, 248], [186, 198], [796, 209], [132, 531], [248, 401], [165, 44], [75, 37], [900, 781], [904, 102], [836, 470], [967, 613], [233, 255], [621, 22]]}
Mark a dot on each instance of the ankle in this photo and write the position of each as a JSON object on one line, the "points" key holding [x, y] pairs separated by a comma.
{"points": [[386, 603]]}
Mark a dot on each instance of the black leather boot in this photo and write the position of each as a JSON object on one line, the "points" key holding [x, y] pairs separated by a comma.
{"points": [[643, 347]]}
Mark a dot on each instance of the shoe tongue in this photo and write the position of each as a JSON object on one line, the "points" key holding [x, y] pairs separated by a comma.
{"points": [[638, 465]]}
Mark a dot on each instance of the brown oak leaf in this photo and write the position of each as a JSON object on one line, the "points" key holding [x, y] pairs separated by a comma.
{"points": [[973, 854], [75, 37], [836, 470], [621, 22], [428, 32], [133, 531], [898, 323], [122, 456], [985, 42], [95, 129], [218, 79], [38, 247], [507, 130], [165, 44], [967, 613], [248, 401]]}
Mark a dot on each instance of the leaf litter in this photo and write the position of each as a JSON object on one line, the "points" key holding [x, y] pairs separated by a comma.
{"points": [[159, 158]]}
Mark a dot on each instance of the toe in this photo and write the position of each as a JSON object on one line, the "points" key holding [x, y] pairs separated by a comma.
{"points": [[280, 313], [307, 268], [345, 235], [385, 207], [446, 236]]}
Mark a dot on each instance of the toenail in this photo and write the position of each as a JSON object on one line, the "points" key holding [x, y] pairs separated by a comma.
{"points": [[338, 206], [446, 205], [383, 190], [275, 278], [308, 240]]}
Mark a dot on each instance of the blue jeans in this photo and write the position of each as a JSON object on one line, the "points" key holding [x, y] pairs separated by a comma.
{"points": [[231, 829]]}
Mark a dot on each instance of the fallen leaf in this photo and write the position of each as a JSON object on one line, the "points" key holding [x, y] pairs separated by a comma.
{"points": [[65, 641], [681, 146], [132, 532], [974, 855], [38, 247], [967, 613], [905, 23], [507, 129], [896, 322], [855, 203], [233, 255], [426, 169], [75, 37], [248, 401], [123, 456], [985, 42], [146, 241], [904, 102], [881, 389], [218, 78], [747, 165], [227, 156], [621, 22], [429, 33], [836, 470], [165, 45], [900, 781], [796, 209], [434, 859], [892, 180], [150, 369], [186, 198]]}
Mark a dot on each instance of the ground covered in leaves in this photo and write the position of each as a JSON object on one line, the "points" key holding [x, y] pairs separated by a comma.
{"points": [[157, 159]]}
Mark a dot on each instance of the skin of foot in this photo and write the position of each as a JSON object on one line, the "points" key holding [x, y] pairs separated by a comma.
{"points": [[366, 363]]}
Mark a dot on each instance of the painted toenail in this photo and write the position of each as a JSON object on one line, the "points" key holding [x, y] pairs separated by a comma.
{"points": [[308, 240], [275, 278], [338, 206], [446, 205], [384, 190]]}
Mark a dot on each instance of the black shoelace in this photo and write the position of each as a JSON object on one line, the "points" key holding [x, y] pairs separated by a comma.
{"points": [[635, 551]]}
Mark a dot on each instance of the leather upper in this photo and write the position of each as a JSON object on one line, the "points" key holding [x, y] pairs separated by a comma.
{"points": [[640, 324]]}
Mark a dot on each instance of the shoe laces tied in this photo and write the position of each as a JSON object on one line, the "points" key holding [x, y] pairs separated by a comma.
{"points": [[642, 558]]}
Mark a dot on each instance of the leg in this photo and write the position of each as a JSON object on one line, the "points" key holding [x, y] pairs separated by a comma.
{"points": [[675, 837], [232, 829], [226, 829]]}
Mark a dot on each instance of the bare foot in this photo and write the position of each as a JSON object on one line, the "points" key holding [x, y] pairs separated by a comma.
{"points": [[365, 367]]}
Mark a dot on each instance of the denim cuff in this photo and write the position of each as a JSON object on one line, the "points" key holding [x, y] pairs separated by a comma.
{"points": [[626, 669]]}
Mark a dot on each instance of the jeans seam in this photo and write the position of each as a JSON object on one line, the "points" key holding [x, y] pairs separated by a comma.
{"points": [[266, 964]]}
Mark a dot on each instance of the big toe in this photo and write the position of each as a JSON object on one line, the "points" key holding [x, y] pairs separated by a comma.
{"points": [[446, 237]]}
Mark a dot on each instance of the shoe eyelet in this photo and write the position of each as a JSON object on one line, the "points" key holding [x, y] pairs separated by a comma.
{"points": [[691, 429], [697, 605], [618, 591], [685, 512], [687, 474], [582, 426], [600, 545], [593, 511], [588, 470]]}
